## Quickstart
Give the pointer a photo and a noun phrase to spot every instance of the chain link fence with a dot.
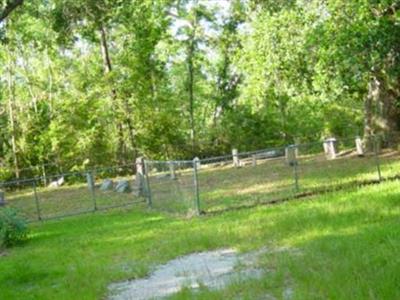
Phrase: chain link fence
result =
(72, 193)
(207, 185)
(271, 175)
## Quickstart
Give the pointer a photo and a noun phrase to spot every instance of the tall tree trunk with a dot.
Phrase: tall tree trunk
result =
(127, 119)
(282, 103)
(11, 114)
(191, 92)
(381, 114)
(29, 84)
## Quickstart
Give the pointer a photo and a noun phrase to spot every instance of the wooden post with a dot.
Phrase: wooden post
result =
(235, 157)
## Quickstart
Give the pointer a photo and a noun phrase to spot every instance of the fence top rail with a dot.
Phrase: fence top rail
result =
(168, 161)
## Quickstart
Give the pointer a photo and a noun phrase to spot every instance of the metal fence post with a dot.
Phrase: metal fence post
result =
(36, 201)
(296, 176)
(148, 189)
(291, 158)
(90, 182)
(196, 187)
(376, 152)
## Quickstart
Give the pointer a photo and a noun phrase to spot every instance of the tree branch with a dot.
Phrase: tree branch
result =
(11, 5)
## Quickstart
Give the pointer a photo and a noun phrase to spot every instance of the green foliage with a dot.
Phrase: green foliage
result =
(191, 78)
(13, 227)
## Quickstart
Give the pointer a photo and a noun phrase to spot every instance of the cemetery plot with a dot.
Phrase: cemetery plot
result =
(207, 185)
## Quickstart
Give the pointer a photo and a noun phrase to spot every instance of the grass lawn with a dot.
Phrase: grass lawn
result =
(341, 245)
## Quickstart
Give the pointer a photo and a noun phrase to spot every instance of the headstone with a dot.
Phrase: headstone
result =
(291, 154)
(57, 183)
(172, 173)
(235, 157)
(123, 186)
(2, 198)
(90, 181)
(196, 160)
(330, 148)
(359, 146)
(107, 185)
(140, 177)
(254, 160)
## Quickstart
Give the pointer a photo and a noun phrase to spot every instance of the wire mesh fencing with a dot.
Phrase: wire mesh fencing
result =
(171, 185)
(270, 175)
(244, 179)
(72, 193)
(210, 184)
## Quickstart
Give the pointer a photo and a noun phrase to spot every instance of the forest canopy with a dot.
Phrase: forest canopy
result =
(100, 82)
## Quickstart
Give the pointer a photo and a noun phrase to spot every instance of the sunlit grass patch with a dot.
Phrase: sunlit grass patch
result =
(336, 245)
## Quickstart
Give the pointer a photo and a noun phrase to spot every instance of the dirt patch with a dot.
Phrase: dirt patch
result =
(213, 269)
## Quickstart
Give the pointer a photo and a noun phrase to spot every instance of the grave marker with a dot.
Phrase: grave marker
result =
(359, 146)
(330, 148)
(235, 157)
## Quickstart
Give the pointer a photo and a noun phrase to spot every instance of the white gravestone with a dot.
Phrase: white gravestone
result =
(235, 157)
(359, 146)
(196, 160)
(330, 148)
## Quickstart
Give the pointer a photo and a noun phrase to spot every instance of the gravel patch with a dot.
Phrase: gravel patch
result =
(213, 269)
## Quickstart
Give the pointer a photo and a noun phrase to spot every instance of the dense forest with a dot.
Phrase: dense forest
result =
(100, 82)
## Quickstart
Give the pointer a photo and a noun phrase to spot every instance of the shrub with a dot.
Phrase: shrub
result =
(13, 227)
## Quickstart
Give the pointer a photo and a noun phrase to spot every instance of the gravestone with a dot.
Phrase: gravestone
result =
(330, 148)
(123, 186)
(107, 185)
(196, 160)
(291, 153)
(172, 173)
(2, 198)
(235, 157)
(359, 146)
